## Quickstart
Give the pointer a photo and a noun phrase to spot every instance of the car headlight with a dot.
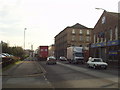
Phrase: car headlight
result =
(97, 64)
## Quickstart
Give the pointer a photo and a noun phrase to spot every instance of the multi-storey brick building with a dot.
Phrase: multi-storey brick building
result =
(76, 35)
(106, 38)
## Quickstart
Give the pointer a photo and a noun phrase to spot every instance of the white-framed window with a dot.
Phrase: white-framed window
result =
(73, 38)
(88, 32)
(103, 19)
(98, 39)
(81, 38)
(116, 33)
(87, 38)
(111, 32)
(73, 31)
(94, 38)
(81, 32)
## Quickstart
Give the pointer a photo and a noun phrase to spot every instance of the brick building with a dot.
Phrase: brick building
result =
(106, 38)
(76, 35)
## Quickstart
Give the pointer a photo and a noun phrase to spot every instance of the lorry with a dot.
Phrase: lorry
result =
(75, 54)
(42, 52)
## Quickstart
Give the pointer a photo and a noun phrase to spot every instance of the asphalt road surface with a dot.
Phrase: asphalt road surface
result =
(34, 74)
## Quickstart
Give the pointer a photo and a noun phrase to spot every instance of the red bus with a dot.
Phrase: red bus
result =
(43, 52)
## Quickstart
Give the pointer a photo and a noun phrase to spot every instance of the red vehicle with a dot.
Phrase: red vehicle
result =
(43, 52)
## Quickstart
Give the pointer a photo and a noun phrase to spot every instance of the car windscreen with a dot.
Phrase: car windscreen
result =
(78, 54)
(97, 60)
(51, 58)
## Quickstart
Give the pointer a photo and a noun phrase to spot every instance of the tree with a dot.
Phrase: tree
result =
(16, 51)
(4, 47)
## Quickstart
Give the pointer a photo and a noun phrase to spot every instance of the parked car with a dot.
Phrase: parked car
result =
(2, 56)
(62, 58)
(97, 63)
(51, 60)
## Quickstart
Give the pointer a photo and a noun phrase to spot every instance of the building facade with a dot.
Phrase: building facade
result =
(106, 38)
(76, 35)
(51, 51)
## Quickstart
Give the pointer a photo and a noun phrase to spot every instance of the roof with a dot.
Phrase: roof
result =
(78, 26)
(113, 14)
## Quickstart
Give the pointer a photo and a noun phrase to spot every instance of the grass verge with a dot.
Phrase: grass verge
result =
(11, 65)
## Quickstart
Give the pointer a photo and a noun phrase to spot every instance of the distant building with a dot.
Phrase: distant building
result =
(51, 50)
(29, 52)
(76, 35)
(106, 38)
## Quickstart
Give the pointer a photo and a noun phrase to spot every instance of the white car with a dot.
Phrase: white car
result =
(62, 58)
(96, 63)
(51, 60)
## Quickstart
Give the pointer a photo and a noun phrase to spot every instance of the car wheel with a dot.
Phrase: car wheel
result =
(88, 65)
(94, 66)
(105, 68)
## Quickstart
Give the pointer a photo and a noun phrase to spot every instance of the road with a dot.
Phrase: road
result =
(34, 74)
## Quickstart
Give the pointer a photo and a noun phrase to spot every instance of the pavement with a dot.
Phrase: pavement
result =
(25, 74)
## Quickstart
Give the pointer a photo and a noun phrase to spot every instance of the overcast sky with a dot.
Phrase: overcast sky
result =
(46, 18)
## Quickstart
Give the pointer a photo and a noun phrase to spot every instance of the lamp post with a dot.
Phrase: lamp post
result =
(24, 37)
(100, 9)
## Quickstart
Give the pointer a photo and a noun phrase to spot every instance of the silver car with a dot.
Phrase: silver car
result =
(97, 63)
(51, 60)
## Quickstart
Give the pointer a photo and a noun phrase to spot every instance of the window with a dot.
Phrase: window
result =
(88, 32)
(111, 35)
(73, 38)
(101, 39)
(73, 31)
(45, 49)
(98, 39)
(81, 38)
(94, 39)
(104, 39)
(116, 33)
(103, 20)
(80, 31)
(41, 49)
(87, 38)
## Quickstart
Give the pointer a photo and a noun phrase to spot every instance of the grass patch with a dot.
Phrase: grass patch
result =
(11, 65)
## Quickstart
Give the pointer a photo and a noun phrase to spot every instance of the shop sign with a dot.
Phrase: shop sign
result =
(113, 53)
(98, 44)
(111, 43)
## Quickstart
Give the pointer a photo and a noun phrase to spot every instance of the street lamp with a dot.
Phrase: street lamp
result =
(100, 9)
(24, 37)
